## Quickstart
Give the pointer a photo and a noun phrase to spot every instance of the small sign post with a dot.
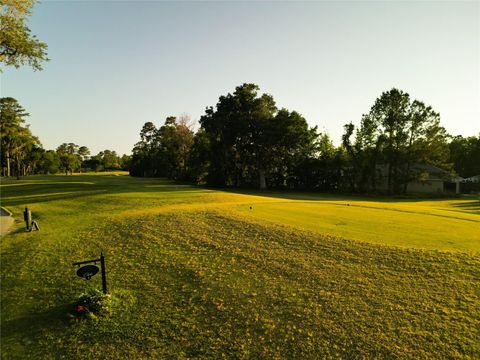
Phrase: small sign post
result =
(87, 271)
(104, 275)
(30, 224)
(27, 216)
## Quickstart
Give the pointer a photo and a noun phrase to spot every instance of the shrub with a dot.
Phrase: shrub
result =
(93, 301)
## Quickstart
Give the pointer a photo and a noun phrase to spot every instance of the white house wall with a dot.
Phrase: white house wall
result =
(431, 186)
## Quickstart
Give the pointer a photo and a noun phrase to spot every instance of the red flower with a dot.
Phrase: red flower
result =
(81, 309)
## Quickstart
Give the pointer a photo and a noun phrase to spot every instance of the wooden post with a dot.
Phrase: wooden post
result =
(27, 216)
(104, 275)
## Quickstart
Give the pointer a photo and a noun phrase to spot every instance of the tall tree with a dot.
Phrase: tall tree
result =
(390, 115)
(199, 159)
(11, 121)
(33, 160)
(17, 45)
(237, 130)
(174, 141)
(83, 152)
(396, 134)
(352, 154)
(23, 142)
(251, 143)
(110, 160)
(465, 155)
(125, 161)
(69, 158)
(50, 162)
(426, 143)
(142, 162)
(288, 141)
(15, 138)
(184, 136)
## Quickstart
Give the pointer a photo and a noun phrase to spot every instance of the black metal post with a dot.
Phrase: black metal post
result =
(27, 216)
(104, 275)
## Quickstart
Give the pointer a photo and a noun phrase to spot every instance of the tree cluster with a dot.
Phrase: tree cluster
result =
(465, 155)
(22, 153)
(105, 160)
(397, 135)
(246, 141)
(164, 151)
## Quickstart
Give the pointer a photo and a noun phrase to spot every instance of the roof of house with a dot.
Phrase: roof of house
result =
(434, 173)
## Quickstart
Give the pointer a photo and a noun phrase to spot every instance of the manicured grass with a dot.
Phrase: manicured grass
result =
(444, 225)
(199, 274)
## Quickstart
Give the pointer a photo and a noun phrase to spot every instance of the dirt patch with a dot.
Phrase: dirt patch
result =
(6, 221)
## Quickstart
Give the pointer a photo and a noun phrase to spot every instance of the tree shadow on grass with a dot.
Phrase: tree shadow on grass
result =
(55, 188)
(18, 230)
(321, 196)
(45, 191)
(35, 323)
(28, 200)
(470, 207)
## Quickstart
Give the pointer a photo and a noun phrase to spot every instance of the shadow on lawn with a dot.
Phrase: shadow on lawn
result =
(470, 207)
(313, 196)
(40, 189)
(40, 198)
(34, 324)
(52, 188)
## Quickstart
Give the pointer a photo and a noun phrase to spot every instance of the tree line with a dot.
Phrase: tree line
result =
(22, 153)
(247, 141)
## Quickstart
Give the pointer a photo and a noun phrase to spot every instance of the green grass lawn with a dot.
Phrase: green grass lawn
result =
(198, 274)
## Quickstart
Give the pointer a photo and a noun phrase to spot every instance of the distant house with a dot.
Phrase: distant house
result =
(431, 179)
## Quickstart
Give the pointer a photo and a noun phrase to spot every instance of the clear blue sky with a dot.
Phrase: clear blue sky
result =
(118, 64)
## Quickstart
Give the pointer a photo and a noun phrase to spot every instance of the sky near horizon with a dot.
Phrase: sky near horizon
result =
(118, 64)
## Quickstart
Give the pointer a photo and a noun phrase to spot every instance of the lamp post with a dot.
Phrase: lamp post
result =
(87, 271)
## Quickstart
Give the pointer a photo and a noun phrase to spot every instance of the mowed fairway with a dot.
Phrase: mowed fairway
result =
(200, 273)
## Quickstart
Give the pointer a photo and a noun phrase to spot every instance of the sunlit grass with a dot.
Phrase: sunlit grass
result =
(384, 223)
(200, 274)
